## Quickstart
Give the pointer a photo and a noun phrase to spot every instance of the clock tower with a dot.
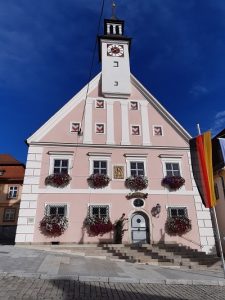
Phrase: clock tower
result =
(114, 54)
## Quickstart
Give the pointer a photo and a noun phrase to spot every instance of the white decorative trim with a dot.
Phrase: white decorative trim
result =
(125, 124)
(145, 124)
(64, 153)
(109, 191)
(64, 111)
(139, 155)
(110, 124)
(171, 155)
(88, 122)
(99, 154)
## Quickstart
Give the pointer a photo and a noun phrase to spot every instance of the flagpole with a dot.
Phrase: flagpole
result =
(213, 212)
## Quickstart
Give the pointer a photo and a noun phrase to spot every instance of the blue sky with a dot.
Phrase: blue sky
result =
(178, 53)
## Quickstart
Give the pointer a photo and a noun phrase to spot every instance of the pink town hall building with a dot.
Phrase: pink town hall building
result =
(112, 129)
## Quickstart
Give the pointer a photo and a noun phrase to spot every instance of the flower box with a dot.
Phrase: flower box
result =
(54, 225)
(178, 225)
(136, 183)
(98, 181)
(173, 182)
(58, 180)
(98, 226)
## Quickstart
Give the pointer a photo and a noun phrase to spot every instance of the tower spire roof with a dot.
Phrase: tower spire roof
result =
(113, 10)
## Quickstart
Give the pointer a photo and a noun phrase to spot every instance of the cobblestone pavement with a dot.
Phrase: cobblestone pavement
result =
(32, 288)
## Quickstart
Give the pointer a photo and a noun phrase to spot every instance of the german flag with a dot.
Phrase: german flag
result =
(201, 160)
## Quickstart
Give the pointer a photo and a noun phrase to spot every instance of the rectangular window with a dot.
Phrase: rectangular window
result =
(75, 127)
(54, 209)
(61, 166)
(100, 128)
(100, 167)
(172, 169)
(116, 64)
(133, 105)
(216, 191)
(13, 192)
(9, 214)
(157, 131)
(135, 130)
(99, 211)
(99, 103)
(177, 212)
(137, 168)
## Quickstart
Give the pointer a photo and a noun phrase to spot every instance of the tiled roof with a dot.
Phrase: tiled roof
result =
(10, 168)
(7, 159)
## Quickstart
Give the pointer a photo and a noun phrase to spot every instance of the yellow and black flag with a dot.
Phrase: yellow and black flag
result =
(201, 160)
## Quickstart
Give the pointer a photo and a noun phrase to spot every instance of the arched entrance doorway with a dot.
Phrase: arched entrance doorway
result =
(140, 228)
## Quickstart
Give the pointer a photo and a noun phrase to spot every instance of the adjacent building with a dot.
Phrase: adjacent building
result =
(218, 147)
(11, 182)
(113, 129)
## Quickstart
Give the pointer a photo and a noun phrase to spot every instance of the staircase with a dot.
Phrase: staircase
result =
(165, 255)
(156, 254)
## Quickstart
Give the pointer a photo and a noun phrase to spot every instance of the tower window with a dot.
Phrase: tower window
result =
(116, 83)
(115, 64)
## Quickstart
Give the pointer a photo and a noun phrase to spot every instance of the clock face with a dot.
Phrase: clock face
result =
(115, 50)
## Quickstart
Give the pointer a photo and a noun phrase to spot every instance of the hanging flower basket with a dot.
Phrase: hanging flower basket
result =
(136, 183)
(98, 181)
(54, 225)
(178, 225)
(174, 182)
(98, 226)
(58, 180)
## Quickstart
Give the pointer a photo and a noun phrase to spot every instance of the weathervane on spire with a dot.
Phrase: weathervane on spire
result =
(113, 10)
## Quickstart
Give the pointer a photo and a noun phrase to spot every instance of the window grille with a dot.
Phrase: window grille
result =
(99, 211)
(61, 166)
(172, 169)
(13, 192)
(100, 167)
(137, 168)
(177, 212)
(56, 209)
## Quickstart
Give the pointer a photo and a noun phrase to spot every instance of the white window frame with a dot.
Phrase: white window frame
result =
(61, 156)
(101, 157)
(171, 158)
(138, 207)
(138, 105)
(103, 127)
(57, 205)
(17, 191)
(96, 100)
(14, 214)
(136, 125)
(176, 207)
(71, 124)
(135, 159)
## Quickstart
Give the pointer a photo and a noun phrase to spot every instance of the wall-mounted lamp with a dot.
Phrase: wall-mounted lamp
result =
(156, 210)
